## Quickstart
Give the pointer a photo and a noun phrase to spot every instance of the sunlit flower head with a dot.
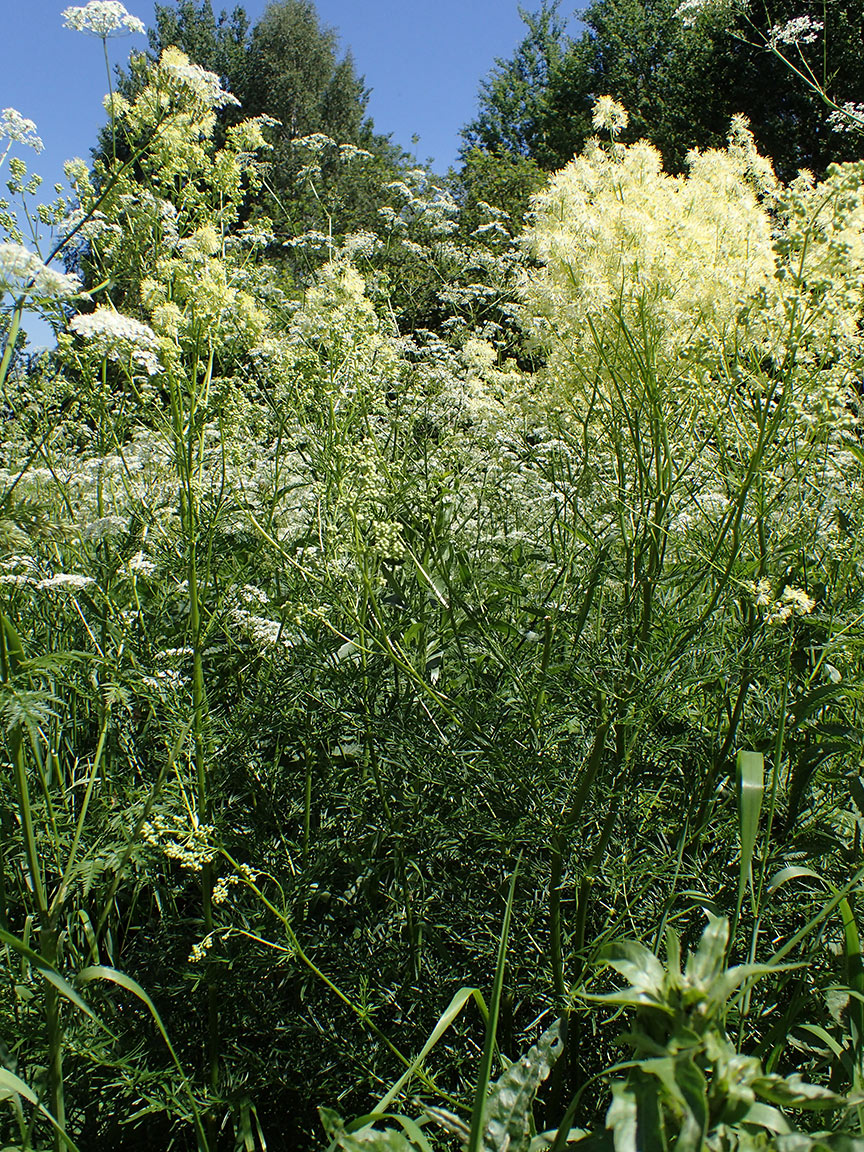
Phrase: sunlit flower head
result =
(608, 114)
(18, 129)
(117, 337)
(690, 12)
(102, 18)
(849, 117)
(23, 273)
(206, 86)
(801, 30)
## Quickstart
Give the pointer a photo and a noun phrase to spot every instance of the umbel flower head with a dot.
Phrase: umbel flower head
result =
(102, 18)
(19, 130)
(118, 337)
(24, 274)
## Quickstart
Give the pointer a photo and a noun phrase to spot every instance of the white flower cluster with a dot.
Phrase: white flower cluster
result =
(23, 273)
(259, 629)
(801, 30)
(206, 86)
(66, 580)
(849, 117)
(141, 565)
(114, 335)
(19, 130)
(102, 18)
(690, 11)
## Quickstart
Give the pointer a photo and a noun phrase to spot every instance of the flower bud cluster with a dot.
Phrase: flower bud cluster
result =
(189, 843)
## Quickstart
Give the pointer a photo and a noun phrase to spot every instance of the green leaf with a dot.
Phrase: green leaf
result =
(444, 1021)
(764, 1116)
(622, 1117)
(793, 1092)
(12, 1085)
(113, 976)
(750, 771)
(13, 645)
(706, 964)
(637, 964)
(508, 1107)
(475, 1138)
(792, 872)
(50, 973)
(694, 1093)
(649, 1120)
(819, 1142)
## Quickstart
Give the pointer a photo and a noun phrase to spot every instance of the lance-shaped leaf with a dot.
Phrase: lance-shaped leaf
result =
(508, 1105)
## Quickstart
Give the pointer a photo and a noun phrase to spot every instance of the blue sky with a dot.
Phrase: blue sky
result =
(423, 61)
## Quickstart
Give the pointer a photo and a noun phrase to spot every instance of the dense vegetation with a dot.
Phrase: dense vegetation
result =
(427, 636)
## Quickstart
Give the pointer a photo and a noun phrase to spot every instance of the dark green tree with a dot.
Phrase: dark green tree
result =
(293, 72)
(512, 98)
(218, 44)
(287, 67)
(504, 148)
(681, 85)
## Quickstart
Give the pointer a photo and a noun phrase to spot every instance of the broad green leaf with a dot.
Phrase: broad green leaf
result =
(706, 964)
(508, 1106)
(622, 1118)
(637, 964)
(819, 1142)
(793, 1092)
(766, 1117)
(694, 1093)
(649, 1120)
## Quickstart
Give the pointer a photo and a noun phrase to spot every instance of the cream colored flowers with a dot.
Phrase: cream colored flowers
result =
(118, 337)
(17, 129)
(608, 114)
(620, 238)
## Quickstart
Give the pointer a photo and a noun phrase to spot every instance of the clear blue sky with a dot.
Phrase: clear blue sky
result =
(423, 61)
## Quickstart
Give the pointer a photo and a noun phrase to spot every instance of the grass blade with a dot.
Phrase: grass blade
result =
(750, 771)
(101, 972)
(444, 1021)
(475, 1136)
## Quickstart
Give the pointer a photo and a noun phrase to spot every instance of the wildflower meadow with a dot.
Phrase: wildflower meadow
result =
(432, 647)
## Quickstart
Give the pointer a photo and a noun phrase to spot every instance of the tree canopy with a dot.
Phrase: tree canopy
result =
(680, 84)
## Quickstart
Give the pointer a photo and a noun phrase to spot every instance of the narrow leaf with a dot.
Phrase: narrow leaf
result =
(750, 769)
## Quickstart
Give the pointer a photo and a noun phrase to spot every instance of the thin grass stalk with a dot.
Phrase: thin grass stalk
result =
(484, 1076)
